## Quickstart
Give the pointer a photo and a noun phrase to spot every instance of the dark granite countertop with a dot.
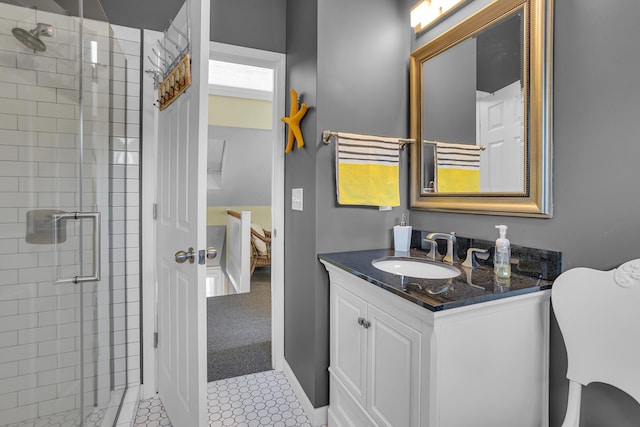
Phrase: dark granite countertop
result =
(470, 287)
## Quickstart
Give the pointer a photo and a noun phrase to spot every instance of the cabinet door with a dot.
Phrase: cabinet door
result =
(395, 371)
(349, 342)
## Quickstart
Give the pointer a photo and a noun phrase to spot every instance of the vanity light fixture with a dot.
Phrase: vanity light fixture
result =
(427, 12)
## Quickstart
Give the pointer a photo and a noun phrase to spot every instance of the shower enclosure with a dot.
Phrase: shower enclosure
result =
(66, 209)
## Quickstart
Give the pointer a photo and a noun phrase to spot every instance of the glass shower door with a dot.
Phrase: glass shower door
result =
(62, 244)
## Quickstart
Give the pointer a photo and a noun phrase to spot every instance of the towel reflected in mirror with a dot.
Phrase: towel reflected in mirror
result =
(457, 168)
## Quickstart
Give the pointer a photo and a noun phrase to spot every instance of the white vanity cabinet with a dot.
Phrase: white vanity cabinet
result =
(375, 356)
(394, 363)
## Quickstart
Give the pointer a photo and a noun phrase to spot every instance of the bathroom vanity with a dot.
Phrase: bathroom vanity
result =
(454, 352)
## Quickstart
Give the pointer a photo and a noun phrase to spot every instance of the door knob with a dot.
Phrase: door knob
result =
(209, 253)
(182, 256)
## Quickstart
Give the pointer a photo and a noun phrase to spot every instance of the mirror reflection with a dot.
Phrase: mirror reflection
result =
(473, 118)
(481, 113)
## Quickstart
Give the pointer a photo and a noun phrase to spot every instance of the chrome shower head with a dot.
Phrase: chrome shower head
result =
(31, 39)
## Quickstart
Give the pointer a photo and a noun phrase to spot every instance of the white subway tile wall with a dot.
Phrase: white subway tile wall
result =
(41, 322)
(126, 213)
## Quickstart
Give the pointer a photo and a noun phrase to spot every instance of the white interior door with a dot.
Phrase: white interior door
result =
(500, 121)
(181, 226)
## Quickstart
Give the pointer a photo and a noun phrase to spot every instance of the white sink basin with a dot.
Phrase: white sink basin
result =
(415, 268)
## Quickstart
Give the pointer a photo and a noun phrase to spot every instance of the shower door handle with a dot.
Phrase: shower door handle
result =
(95, 216)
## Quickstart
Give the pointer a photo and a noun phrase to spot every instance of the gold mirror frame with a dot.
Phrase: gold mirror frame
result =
(536, 201)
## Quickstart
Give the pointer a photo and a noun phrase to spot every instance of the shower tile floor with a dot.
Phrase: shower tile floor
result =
(261, 399)
(63, 419)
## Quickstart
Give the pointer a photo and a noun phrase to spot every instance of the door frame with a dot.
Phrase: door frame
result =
(148, 309)
(277, 62)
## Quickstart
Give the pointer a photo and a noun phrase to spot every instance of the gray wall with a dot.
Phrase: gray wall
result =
(246, 170)
(250, 23)
(259, 24)
(596, 127)
(449, 95)
(596, 153)
(143, 14)
(304, 350)
(352, 71)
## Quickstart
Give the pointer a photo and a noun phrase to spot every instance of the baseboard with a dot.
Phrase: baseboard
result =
(317, 416)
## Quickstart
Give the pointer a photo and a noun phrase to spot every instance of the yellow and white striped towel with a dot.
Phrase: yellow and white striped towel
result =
(457, 168)
(367, 170)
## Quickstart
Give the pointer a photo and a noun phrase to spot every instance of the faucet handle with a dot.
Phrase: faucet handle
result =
(470, 261)
(452, 254)
(433, 249)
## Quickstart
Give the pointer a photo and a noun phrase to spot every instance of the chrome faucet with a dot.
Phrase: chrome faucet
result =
(433, 249)
(451, 256)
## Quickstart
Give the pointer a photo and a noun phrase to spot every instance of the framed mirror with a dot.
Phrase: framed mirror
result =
(481, 114)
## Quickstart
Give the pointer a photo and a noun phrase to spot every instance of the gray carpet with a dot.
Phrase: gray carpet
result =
(239, 331)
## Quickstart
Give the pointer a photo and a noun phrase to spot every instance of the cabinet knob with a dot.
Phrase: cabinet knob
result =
(364, 323)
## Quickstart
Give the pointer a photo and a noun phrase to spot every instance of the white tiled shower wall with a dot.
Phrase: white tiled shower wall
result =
(40, 368)
(126, 183)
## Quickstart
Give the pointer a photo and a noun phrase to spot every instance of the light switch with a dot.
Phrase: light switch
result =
(296, 199)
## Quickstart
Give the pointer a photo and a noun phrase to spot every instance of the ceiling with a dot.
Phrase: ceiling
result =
(146, 14)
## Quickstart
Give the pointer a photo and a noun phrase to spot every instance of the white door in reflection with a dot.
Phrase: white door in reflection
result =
(500, 124)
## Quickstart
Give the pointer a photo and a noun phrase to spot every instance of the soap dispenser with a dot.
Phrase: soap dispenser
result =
(402, 236)
(502, 256)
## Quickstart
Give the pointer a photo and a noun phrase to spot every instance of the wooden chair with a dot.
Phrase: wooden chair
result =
(599, 316)
(260, 253)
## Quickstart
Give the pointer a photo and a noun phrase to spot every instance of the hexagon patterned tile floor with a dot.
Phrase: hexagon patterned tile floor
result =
(62, 419)
(261, 399)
